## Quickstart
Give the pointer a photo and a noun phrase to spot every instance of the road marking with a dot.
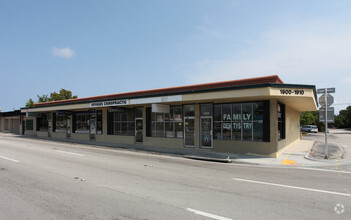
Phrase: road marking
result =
(293, 187)
(66, 152)
(323, 170)
(4, 142)
(209, 215)
(6, 158)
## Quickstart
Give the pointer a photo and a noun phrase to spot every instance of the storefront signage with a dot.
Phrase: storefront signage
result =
(292, 91)
(109, 103)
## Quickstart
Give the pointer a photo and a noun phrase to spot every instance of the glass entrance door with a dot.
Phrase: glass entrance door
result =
(189, 131)
(206, 136)
(139, 130)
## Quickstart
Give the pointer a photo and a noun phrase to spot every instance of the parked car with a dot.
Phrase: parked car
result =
(309, 128)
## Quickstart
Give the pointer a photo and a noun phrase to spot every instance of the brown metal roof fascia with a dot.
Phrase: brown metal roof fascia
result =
(250, 81)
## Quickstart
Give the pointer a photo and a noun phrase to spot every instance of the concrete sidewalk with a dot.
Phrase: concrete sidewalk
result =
(296, 154)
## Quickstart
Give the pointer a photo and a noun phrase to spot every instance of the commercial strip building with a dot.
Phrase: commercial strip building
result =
(257, 116)
(11, 122)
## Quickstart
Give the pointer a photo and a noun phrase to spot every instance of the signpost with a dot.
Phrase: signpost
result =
(325, 101)
(330, 113)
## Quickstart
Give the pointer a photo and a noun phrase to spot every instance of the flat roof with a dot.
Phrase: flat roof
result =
(274, 79)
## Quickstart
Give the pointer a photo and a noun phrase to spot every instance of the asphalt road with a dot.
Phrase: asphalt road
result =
(50, 180)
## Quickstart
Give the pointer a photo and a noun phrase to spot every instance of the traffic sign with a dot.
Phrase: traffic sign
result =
(329, 90)
(330, 114)
(330, 100)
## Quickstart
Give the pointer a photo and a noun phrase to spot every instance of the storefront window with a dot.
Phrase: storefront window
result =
(168, 124)
(258, 121)
(238, 121)
(61, 123)
(217, 114)
(42, 122)
(123, 122)
(99, 122)
(29, 125)
(82, 123)
(236, 131)
(281, 121)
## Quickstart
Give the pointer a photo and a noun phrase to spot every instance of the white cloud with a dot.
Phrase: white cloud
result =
(65, 52)
(299, 53)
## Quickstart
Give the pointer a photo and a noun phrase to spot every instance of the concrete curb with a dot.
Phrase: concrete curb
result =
(227, 160)
(328, 162)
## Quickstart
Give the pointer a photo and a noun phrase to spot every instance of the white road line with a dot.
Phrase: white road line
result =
(324, 170)
(209, 215)
(4, 142)
(6, 158)
(293, 187)
(66, 152)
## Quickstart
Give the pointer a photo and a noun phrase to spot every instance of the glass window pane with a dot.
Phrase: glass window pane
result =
(247, 130)
(236, 112)
(131, 114)
(258, 111)
(236, 130)
(118, 130)
(217, 130)
(247, 112)
(124, 128)
(226, 112)
(178, 113)
(189, 110)
(217, 116)
(124, 115)
(167, 117)
(160, 117)
(131, 128)
(169, 129)
(160, 126)
(179, 129)
(153, 126)
(227, 130)
(206, 109)
(139, 112)
(258, 131)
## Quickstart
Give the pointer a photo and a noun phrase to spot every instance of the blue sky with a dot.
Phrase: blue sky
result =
(104, 47)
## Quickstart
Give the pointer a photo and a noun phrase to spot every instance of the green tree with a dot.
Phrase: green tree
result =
(54, 96)
(62, 95)
(43, 98)
(309, 118)
(343, 120)
(30, 103)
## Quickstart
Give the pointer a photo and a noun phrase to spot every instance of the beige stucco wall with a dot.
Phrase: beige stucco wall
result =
(292, 128)
(42, 133)
(78, 136)
(164, 142)
(118, 139)
(59, 134)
